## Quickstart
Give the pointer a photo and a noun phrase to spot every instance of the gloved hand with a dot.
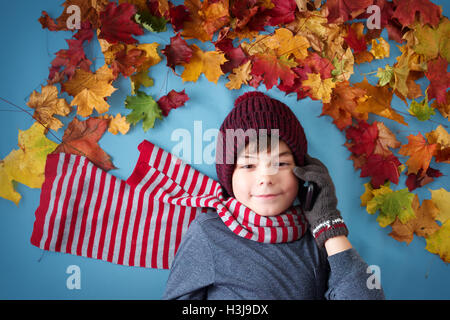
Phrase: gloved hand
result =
(324, 218)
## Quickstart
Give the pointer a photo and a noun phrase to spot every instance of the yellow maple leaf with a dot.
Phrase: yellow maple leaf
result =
(439, 242)
(117, 124)
(203, 62)
(380, 48)
(48, 104)
(7, 190)
(26, 165)
(320, 89)
(289, 44)
(240, 75)
(441, 199)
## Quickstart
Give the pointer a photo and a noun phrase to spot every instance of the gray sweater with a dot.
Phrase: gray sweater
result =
(214, 263)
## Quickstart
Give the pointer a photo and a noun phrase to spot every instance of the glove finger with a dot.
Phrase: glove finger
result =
(318, 177)
(300, 172)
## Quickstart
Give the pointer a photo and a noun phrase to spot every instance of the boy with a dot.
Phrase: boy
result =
(214, 262)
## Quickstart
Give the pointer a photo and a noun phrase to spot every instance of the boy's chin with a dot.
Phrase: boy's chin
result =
(267, 210)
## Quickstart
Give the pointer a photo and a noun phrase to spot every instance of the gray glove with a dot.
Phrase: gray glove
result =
(324, 218)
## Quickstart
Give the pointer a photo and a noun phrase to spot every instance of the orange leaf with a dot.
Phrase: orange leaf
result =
(420, 153)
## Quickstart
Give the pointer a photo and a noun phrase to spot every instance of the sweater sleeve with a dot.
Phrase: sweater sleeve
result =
(348, 278)
(192, 270)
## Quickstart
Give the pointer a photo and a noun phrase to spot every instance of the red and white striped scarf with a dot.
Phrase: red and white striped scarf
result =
(88, 212)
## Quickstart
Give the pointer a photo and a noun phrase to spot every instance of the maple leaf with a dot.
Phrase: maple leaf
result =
(271, 68)
(420, 153)
(144, 108)
(406, 10)
(300, 74)
(25, 165)
(386, 139)
(420, 179)
(320, 65)
(355, 38)
(46, 105)
(441, 138)
(432, 42)
(378, 102)
(421, 110)
(81, 138)
(363, 136)
(178, 15)
(441, 198)
(439, 79)
(127, 62)
(290, 44)
(69, 59)
(240, 75)
(444, 108)
(207, 63)
(205, 18)
(171, 101)
(342, 105)
(235, 56)
(343, 10)
(385, 75)
(381, 168)
(177, 52)
(150, 22)
(438, 242)
(140, 79)
(343, 66)
(320, 89)
(117, 24)
(423, 225)
(116, 124)
(380, 48)
(282, 12)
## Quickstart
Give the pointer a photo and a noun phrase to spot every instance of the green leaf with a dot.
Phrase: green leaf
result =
(385, 75)
(144, 108)
(433, 41)
(150, 22)
(421, 110)
(391, 205)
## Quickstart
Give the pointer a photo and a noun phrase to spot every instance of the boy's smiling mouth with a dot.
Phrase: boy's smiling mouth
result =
(267, 196)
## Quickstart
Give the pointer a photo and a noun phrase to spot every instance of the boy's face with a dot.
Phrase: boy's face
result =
(264, 182)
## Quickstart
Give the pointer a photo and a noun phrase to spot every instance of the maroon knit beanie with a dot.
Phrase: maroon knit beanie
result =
(255, 110)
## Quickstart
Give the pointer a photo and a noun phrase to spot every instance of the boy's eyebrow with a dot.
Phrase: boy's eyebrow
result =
(285, 153)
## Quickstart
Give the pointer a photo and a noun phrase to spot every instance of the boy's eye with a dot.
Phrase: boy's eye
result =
(247, 166)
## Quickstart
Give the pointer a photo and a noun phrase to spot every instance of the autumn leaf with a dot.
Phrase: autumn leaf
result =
(433, 41)
(81, 138)
(240, 75)
(439, 79)
(46, 105)
(207, 63)
(421, 110)
(441, 138)
(391, 205)
(177, 52)
(178, 15)
(320, 89)
(384, 75)
(150, 22)
(421, 178)
(438, 242)
(282, 12)
(140, 79)
(381, 168)
(343, 10)
(423, 225)
(271, 69)
(127, 62)
(444, 108)
(117, 23)
(378, 102)
(342, 105)
(355, 38)
(406, 10)
(386, 140)
(171, 101)
(144, 108)
(290, 44)
(69, 59)
(363, 137)
(343, 66)
(420, 152)
(380, 48)
(25, 165)
(441, 198)
(117, 124)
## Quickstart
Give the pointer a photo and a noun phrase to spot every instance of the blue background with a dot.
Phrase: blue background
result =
(27, 272)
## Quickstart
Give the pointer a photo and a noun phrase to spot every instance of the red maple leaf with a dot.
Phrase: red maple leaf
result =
(418, 180)
(343, 10)
(85, 33)
(178, 15)
(177, 52)
(320, 65)
(171, 101)
(127, 63)
(300, 74)
(235, 56)
(364, 137)
(358, 45)
(272, 68)
(283, 12)
(406, 11)
(69, 59)
(381, 168)
(117, 24)
(244, 11)
(439, 79)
